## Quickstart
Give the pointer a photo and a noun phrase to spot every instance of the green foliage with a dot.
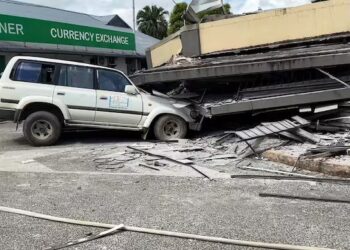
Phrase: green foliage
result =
(227, 8)
(151, 21)
(176, 20)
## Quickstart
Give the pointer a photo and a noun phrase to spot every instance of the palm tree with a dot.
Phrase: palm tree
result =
(151, 21)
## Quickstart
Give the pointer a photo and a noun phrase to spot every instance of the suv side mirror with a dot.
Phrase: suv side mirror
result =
(131, 90)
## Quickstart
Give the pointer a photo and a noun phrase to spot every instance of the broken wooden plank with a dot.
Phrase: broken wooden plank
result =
(251, 134)
(148, 166)
(108, 232)
(264, 130)
(270, 128)
(308, 136)
(258, 132)
(300, 120)
(336, 149)
(170, 159)
(220, 157)
(225, 137)
(308, 198)
(163, 141)
(189, 149)
(273, 171)
(243, 135)
(151, 158)
(289, 135)
(280, 126)
(293, 124)
(273, 128)
(296, 178)
(259, 151)
(287, 124)
(186, 161)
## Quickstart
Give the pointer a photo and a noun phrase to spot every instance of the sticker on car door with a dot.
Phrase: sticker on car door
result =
(119, 102)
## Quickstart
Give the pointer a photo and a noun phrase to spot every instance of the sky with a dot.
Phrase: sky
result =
(124, 7)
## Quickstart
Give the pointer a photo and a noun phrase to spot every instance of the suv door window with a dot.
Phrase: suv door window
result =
(112, 81)
(76, 77)
(34, 72)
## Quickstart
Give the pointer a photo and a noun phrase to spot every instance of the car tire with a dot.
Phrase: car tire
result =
(170, 127)
(42, 128)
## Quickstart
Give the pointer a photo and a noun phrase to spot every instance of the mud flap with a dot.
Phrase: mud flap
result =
(145, 134)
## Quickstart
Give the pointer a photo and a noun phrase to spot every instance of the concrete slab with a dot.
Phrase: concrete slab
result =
(331, 166)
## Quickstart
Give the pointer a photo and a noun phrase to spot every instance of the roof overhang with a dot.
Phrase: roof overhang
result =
(22, 47)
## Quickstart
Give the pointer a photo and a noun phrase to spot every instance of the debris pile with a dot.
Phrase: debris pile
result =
(215, 153)
(300, 143)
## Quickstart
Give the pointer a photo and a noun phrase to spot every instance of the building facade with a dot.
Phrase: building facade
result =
(34, 30)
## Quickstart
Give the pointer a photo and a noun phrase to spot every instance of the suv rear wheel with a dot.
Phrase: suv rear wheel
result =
(42, 128)
(169, 127)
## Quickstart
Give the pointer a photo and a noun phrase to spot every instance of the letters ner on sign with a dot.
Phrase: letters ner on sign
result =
(21, 29)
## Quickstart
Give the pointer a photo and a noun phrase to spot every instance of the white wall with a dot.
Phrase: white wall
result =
(121, 64)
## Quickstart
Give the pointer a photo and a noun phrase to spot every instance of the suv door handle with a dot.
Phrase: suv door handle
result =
(103, 98)
(61, 93)
(7, 87)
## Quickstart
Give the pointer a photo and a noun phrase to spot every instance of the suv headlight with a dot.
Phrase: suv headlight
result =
(180, 105)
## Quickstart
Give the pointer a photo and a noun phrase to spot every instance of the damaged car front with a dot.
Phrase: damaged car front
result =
(157, 104)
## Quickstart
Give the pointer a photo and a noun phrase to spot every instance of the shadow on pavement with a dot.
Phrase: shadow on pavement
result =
(97, 136)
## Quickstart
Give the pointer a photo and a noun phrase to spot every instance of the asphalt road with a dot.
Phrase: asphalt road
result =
(227, 208)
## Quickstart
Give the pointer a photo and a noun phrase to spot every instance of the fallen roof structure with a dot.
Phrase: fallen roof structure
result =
(322, 55)
(256, 62)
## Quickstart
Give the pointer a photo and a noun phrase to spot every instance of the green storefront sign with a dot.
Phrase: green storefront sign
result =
(21, 29)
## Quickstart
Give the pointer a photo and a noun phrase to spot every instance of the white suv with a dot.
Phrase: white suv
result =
(51, 94)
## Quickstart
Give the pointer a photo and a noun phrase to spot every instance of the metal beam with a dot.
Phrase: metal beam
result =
(333, 77)
(280, 101)
(241, 68)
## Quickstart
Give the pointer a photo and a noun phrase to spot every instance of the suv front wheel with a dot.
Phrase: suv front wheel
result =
(169, 127)
(42, 128)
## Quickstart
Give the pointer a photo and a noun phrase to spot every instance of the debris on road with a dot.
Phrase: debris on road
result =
(273, 171)
(308, 198)
(295, 178)
(181, 162)
(123, 228)
(109, 232)
(28, 161)
(189, 149)
(272, 128)
(219, 157)
(333, 150)
(148, 166)
(219, 152)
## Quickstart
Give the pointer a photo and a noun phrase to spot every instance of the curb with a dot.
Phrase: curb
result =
(329, 166)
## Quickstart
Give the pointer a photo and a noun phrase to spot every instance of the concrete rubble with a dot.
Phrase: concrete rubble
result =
(212, 156)
(123, 179)
(219, 154)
